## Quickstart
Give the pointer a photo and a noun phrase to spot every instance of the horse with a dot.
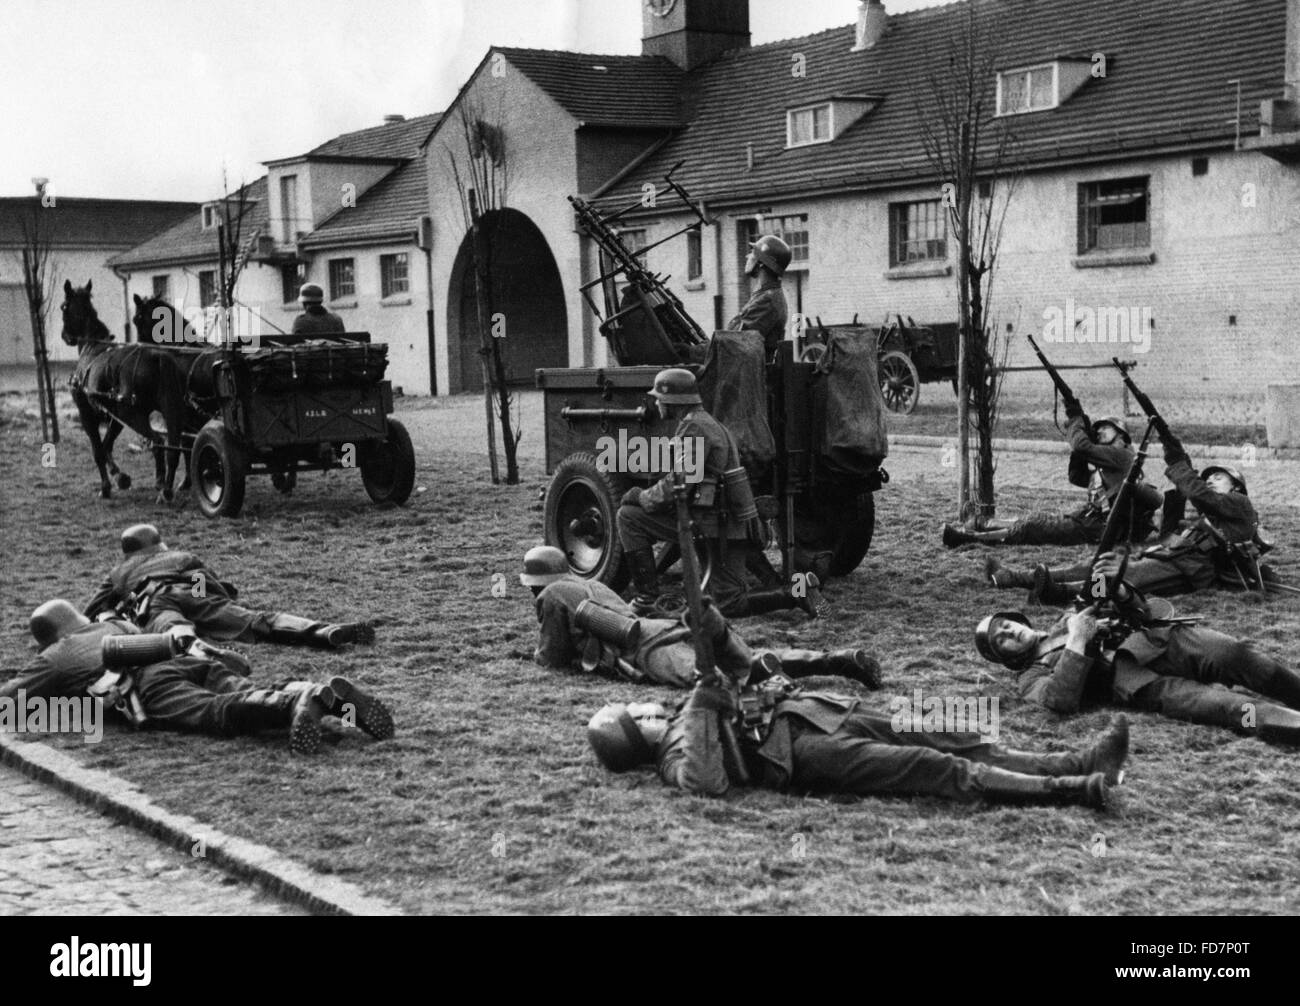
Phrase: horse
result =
(122, 385)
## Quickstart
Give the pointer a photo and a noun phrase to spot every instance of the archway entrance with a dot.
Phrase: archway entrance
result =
(526, 289)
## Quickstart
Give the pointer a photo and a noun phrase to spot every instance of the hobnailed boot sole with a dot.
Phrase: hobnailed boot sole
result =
(372, 715)
(349, 632)
(1110, 753)
(305, 731)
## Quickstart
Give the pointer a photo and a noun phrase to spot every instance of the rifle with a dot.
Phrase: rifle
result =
(1067, 396)
(705, 663)
(1110, 533)
(1162, 428)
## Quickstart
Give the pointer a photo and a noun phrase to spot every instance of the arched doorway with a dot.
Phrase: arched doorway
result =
(525, 289)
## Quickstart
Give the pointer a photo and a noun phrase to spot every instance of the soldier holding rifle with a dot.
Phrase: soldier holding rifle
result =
(1100, 455)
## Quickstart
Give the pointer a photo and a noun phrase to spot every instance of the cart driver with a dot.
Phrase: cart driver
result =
(315, 320)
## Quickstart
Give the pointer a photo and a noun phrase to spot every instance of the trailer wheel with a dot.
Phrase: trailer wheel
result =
(855, 525)
(579, 519)
(899, 382)
(388, 466)
(833, 532)
(219, 468)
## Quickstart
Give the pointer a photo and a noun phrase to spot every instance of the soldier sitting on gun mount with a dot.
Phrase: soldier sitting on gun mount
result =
(647, 516)
(175, 681)
(1190, 559)
(1137, 662)
(156, 586)
(818, 742)
(315, 320)
(584, 625)
(1100, 456)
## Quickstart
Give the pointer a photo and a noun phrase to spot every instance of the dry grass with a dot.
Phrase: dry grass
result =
(489, 800)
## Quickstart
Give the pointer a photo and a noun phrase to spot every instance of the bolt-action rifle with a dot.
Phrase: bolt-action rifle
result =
(1068, 398)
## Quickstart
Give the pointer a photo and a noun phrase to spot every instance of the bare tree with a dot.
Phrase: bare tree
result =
(481, 174)
(36, 225)
(233, 249)
(972, 152)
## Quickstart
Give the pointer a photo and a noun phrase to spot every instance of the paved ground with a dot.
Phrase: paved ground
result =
(59, 858)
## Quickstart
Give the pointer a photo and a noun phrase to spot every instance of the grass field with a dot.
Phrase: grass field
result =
(489, 800)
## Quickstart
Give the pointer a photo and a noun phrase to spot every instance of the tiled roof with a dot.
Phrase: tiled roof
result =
(188, 241)
(392, 139)
(1169, 63)
(109, 223)
(641, 91)
(387, 210)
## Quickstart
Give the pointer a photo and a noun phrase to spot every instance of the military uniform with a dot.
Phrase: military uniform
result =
(816, 742)
(1168, 669)
(315, 320)
(766, 312)
(167, 587)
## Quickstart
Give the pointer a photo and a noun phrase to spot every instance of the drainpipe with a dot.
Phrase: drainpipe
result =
(718, 309)
(126, 303)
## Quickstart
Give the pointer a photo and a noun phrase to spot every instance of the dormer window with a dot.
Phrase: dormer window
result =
(210, 216)
(808, 125)
(1038, 88)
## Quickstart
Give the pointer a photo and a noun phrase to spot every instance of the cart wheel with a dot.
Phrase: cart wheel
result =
(219, 468)
(388, 466)
(855, 525)
(579, 519)
(899, 382)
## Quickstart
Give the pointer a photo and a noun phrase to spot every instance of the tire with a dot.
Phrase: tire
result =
(899, 382)
(833, 532)
(388, 466)
(856, 525)
(219, 468)
(579, 519)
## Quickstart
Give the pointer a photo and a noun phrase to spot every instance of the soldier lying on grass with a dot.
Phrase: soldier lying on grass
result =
(175, 681)
(1135, 661)
(788, 739)
(160, 588)
(585, 626)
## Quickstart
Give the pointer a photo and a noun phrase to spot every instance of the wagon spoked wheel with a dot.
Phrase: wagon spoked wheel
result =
(388, 466)
(899, 382)
(579, 519)
(219, 468)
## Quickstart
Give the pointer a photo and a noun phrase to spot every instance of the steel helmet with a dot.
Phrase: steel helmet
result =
(1229, 471)
(542, 565)
(55, 619)
(311, 293)
(1116, 422)
(617, 739)
(676, 386)
(984, 642)
(138, 537)
(771, 251)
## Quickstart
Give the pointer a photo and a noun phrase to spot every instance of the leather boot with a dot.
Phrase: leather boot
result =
(1004, 578)
(262, 709)
(232, 660)
(1046, 590)
(1284, 685)
(760, 602)
(334, 636)
(954, 536)
(1277, 724)
(310, 703)
(1001, 786)
(645, 579)
(857, 665)
(355, 705)
(1106, 755)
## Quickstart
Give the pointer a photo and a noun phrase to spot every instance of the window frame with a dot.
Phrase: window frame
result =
(335, 293)
(1029, 109)
(899, 214)
(207, 288)
(790, 113)
(163, 290)
(1091, 204)
(300, 280)
(385, 289)
(779, 224)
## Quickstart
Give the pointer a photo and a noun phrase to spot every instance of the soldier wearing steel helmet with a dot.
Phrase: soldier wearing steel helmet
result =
(585, 626)
(766, 312)
(1142, 663)
(315, 319)
(1100, 456)
(812, 741)
(647, 516)
(159, 587)
(175, 681)
(1188, 558)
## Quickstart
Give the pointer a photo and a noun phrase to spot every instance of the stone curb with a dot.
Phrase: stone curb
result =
(118, 799)
(1058, 447)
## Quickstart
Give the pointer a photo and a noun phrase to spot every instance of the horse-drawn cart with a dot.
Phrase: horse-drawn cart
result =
(300, 403)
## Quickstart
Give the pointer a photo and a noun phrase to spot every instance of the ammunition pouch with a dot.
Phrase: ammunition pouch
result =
(758, 704)
(607, 625)
(705, 494)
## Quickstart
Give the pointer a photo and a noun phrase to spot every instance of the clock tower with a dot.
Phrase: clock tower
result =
(691, 32)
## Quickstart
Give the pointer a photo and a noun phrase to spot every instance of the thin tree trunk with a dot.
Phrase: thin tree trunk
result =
(484, 333)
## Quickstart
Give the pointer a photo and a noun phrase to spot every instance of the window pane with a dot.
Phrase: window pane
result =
(920, 232)
(292, 278)
(341, 279)
(1116, 214)
(162, 287)
(207, 288)
(1040, 88)
(822, 123)
(694, 255)
(393, 274)
(1015, 92)
(801, 126)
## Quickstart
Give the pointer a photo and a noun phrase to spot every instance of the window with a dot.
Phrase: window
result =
(1200, 166)
(292, 277)
(394, 277)
(289, 208)
(1114, 214)
(918, 232)
(210, 216)
(694, 255)
(792, 229)
(808, 125)
(207, 288)
(635, 238)
(342, 278)
(162, 287)
(1029, 90)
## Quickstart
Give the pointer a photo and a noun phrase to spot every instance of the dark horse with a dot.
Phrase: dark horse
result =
(122, 385)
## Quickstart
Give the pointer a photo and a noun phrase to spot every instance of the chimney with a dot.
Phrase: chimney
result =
(693, 32)
(872, 22)
(389, 119)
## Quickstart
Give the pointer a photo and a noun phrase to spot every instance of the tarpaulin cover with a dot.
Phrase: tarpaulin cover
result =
(735, 394)
(317, 364)
(848, 407)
